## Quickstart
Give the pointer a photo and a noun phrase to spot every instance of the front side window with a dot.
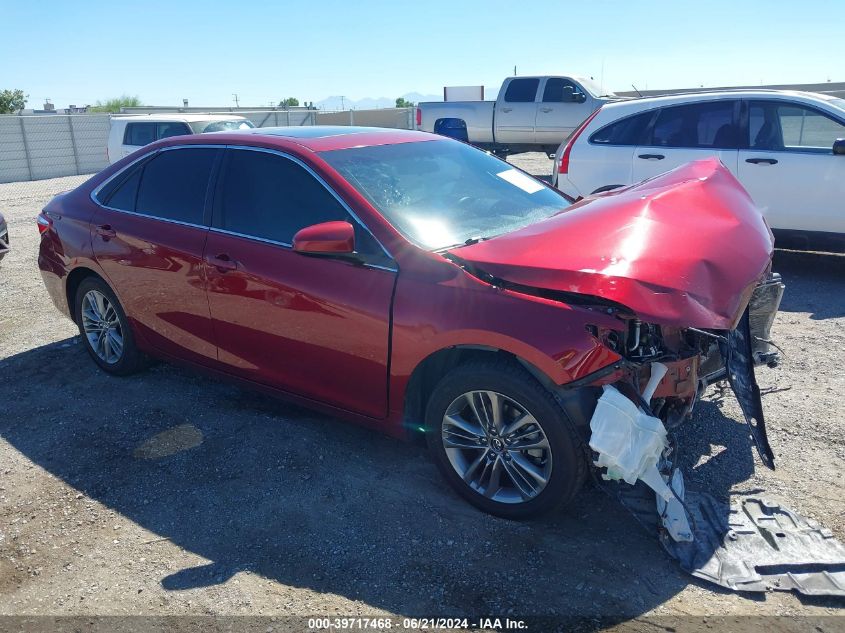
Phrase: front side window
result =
(698, 125)
(628, 131)
(138, 134)
(173, 184)
(443, 193)
(559, 90)
(522, 90)
(272, 197)
(785, 126)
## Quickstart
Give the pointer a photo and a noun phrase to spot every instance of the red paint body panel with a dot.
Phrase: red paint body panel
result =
(347, 338)
(328, 237)
(314, 326)
(685, 248)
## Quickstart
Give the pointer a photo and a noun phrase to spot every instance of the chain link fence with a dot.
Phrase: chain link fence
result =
(50, 146)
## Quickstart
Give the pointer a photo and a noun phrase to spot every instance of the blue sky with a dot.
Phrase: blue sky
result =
(78, 52)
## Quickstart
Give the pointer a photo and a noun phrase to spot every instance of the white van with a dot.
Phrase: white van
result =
(130, 132)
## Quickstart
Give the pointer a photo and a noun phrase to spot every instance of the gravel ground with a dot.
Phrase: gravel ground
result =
(171, 493)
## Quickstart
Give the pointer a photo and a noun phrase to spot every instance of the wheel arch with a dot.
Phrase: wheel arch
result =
(433, 367)
(74, 279)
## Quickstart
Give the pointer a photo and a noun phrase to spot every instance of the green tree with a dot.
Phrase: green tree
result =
(115, 104)
(12, 101)
(290, 102)
(401, 103)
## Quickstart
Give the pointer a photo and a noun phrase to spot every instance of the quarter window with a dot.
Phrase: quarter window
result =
(697, 125)
(272, 197)
(628, 131)
(174, 128)
(173, 184)
(522, 90)
(138, 134)
(786, 126)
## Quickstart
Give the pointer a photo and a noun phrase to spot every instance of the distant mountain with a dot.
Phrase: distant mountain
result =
(369, 103)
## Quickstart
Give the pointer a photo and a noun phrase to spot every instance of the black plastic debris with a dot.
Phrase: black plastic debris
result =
(754, 544)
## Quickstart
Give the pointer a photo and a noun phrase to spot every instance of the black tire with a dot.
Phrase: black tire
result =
(131, 359)
(569, 465)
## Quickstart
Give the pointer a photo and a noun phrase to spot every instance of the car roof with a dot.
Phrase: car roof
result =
(646, 103)
(321, 138)
(187, 118)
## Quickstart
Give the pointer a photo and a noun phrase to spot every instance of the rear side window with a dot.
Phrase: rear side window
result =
(628, 131)
(522, 90)
(139, 134)
(173, 184)
(123, 195)
(559, 90)
(172, 128)
(271, 197)
(697, 125)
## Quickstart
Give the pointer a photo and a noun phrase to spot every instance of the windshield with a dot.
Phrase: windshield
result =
(226, 125)
(594, 88)
(444, 193)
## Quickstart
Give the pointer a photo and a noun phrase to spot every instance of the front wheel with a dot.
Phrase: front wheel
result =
(105, 329)
(503, 442)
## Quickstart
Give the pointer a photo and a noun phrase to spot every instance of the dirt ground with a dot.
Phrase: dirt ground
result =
(171, 493)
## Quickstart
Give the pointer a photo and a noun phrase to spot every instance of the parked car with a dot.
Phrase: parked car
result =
(128, 133)
(4, 237)
(786, 148)
(414, 284)
(530, 114)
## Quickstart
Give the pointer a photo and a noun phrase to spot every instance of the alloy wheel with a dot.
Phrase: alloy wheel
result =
(102, 328)
(496, 446)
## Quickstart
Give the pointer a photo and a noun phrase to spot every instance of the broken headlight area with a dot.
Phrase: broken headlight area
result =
(752, 544)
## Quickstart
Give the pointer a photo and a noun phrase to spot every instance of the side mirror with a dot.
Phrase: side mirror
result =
(326, 238)
(579, 97)
(839, 147)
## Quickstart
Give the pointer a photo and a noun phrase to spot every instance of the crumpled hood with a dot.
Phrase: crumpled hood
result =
(685, 248)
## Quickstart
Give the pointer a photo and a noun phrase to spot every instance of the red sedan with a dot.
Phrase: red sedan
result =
(415, 284)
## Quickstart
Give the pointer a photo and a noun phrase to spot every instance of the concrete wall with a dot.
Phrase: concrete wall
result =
(48, 146)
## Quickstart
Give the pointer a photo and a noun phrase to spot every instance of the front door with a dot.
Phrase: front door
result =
(789, 167)
(149, 236)
(312, 326)
(564, 106)
(684, 133)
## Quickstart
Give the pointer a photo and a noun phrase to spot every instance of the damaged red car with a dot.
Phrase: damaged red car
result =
(417, 285)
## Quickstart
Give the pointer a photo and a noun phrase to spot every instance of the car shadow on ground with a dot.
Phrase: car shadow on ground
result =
(254, 484)
(815, 283)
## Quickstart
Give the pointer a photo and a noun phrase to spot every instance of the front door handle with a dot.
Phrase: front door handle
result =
(652, 156)
(106, 232)
(222, 262)
(763, 161)
(506, 109)
(545, 109)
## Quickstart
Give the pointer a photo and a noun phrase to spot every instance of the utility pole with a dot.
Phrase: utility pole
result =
(514, 71)
(342, 102)
(235, 95)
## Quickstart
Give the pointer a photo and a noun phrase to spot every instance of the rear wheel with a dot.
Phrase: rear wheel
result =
(503, 442)
(104, 328)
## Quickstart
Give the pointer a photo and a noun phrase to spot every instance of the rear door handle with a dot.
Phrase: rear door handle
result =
(106, 232)
(222, 262)
(652, 156)
(764, 161)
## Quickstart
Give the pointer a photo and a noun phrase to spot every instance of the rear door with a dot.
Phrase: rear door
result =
(688, 132)
(313, 326)
(136, 135)
(789, 167)
(516, 111)
(148, 236)
(564, 105)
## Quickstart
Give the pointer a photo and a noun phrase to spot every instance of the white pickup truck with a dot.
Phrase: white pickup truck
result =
(530, 114)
